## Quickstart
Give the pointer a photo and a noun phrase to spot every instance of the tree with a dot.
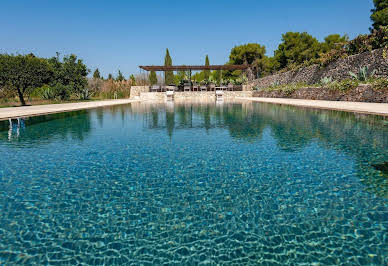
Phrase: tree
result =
(207, 72)
(380, 13)
(110, 76)
(334, 41)
(246, 54)
(96, 74)
(120, 76)
(168, 75)
(132, 79)
(69, 75)
(22, 73)
(296, 48)
(153, 78)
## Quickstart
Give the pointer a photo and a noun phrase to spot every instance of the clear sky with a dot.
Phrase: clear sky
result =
(114, 35)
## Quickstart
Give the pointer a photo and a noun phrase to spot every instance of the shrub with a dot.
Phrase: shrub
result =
(326, 80)
(344, 85)
(380, 84)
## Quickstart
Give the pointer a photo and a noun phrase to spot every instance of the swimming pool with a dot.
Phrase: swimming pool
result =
(241, 183)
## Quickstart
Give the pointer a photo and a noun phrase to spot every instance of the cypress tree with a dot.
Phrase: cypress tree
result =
(96, 74)
(110, 76)
(153, 78)
(132, 79)
(168, 75)
(207, 72)
(120, 76)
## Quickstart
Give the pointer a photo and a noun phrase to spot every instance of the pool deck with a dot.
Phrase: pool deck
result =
(354, 107)
(25, 111)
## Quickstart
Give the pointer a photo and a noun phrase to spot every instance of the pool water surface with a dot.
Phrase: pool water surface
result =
(230, 183)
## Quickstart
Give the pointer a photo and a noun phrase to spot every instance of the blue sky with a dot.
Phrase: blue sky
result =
(114, 35)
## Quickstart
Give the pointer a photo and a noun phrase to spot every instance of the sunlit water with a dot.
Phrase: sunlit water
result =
(188, 184)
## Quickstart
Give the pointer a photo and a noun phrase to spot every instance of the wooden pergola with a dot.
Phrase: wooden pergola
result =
(190, 68)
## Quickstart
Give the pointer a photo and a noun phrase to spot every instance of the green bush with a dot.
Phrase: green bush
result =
(380, 84)
(344, 85)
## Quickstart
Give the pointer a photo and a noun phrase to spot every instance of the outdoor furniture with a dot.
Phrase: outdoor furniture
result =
(187, 87)
(219, 95)
(171, 88)
(203, 88)
(195, 87)
(169, 95)
(221, 88)
(230, 87)
(212, 87)
(155, 88)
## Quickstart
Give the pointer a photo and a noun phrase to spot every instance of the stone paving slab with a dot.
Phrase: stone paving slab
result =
(25, 111)
(355, 107)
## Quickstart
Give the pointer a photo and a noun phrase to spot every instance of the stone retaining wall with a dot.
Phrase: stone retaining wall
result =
(199, 96)
(136, 90)
(363, 93)
(338, 70)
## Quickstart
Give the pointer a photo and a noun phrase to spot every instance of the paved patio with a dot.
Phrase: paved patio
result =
(23, 111)
(355, 107)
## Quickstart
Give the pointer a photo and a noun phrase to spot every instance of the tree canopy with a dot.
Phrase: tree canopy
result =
(153, 78)
(120, 76)
(334, 41)
(380, 13)
(207, 72)
(168, 75)
(96, 74)
(22, 73)
(69, 75)
(246, 54)
(296, 48)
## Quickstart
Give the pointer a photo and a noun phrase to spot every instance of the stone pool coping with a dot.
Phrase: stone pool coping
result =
(354, 107)
(35, 110)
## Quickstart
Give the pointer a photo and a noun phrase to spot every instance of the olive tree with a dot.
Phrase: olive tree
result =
(23, 73)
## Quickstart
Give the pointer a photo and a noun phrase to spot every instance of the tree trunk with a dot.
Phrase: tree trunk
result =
(21, 97)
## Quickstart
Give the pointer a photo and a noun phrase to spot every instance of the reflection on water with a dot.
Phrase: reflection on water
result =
(194, 183)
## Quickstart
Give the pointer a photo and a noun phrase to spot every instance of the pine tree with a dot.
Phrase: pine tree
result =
(120, 76)
(110, 77)
(153, 78)
(168, 75)
(380, 13)
(207, 72)
(96, 74)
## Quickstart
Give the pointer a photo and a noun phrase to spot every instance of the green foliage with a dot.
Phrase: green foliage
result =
(153, 78)
(326, 80)
(363, 74)
(296, 48)
(69, 74)
(96, 74)
(23, 73)
(120, 76)
(60, 91)
(110, 76)
(343, 85)
(380, 13)
(168, 75)
(380, 84)
(132, 79)
(206, 72)
(266, 66)
(334, 41)
(246, 54)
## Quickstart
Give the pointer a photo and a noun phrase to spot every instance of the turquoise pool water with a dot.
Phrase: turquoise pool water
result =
(196, 183)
